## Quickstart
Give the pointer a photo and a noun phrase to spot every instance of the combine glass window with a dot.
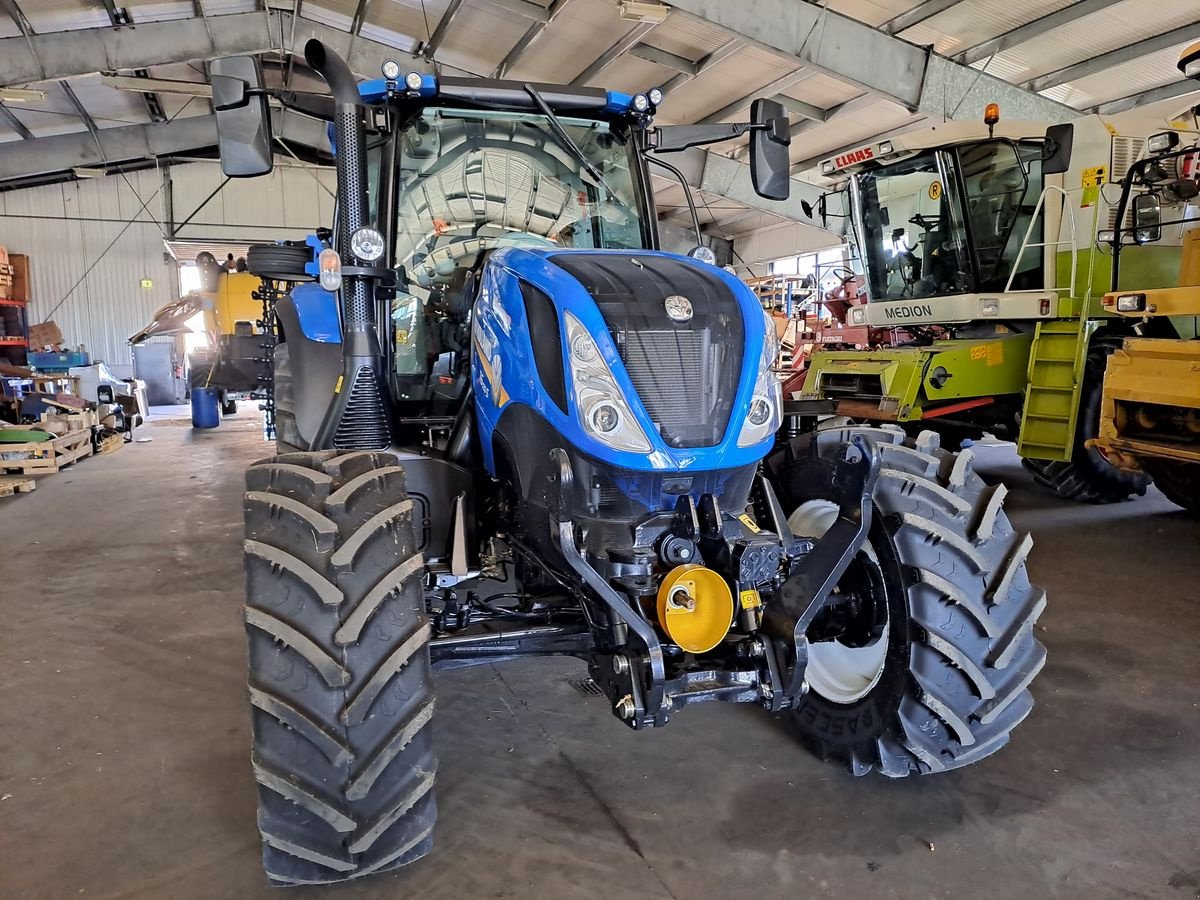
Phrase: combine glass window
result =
(1002, 184)
(910, 221)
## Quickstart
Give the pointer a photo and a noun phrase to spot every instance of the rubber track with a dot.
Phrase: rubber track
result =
(973, 653)
(340, 685)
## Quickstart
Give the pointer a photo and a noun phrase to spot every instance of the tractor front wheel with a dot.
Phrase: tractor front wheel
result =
(340, 682)
(922, 661)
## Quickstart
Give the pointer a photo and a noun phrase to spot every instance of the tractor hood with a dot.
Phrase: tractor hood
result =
(679, 349)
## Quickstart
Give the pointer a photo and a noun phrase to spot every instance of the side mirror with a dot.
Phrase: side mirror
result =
(1147, 216)
(243, 119)
(769, 161)
(1059, 140)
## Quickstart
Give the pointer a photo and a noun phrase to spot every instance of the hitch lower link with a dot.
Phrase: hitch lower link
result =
(779, 653)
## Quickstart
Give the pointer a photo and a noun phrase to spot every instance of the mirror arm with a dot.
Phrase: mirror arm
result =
(673, 138)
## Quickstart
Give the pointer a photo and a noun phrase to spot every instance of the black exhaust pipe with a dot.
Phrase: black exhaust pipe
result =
(358, 417)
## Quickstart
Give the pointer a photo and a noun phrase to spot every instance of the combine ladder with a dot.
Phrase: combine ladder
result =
(1056, 362)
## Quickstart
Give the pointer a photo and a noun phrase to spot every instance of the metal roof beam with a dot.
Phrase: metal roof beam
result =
(1154, 95)
(630, 39)
(721, 54)
(1031, 30)
(532, 33)
(802, 109)
(64, 152)
(917, 15)
(1116, 57)
(63, 54)
(14, 123)
(856, 53)
(783, 82)
(665, 59)
(443, 27)
(88, 122)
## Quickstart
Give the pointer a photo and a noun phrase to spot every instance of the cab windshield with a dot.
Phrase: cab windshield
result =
(951, 221)
(470, 181)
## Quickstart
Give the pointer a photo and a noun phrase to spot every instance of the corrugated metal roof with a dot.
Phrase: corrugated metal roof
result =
(483, 32)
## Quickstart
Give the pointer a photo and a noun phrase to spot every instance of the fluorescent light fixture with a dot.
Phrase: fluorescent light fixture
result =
(86, 172)
(643, 12)
(20, 95)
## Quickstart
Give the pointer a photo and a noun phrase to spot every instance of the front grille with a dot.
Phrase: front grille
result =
(685, 373)
(364, 421)
(674, 376)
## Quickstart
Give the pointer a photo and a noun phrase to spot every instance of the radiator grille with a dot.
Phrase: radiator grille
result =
(364, 421)
(675, 376)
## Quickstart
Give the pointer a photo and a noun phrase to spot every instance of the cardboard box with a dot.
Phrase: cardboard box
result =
(44, 335)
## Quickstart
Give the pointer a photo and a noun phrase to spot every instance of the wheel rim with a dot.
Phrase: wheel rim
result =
(845, 672)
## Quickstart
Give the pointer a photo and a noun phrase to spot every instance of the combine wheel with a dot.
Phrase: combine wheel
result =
(923, 661)
(1089, 477)
(340, 682)
(1178, 481)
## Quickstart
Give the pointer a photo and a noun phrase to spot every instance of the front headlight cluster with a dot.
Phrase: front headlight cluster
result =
(603, 411)
(766, 407)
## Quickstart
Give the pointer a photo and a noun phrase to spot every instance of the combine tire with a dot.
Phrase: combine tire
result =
(1089, 477)
(1178, 481)
(340, 682)
(279, 262)
(924, 661)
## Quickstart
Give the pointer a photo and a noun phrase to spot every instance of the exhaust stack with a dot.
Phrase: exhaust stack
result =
(357, 419)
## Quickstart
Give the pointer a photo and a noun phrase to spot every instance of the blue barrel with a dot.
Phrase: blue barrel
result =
(205, 409)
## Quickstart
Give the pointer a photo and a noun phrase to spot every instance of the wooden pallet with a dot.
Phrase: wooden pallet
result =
(13, 484)
(111, 443)
(45, 457)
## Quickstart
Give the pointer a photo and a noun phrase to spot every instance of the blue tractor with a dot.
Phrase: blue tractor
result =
(509, 425)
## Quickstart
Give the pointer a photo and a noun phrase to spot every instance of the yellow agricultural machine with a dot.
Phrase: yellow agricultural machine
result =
(226, 309)
(1150, 410)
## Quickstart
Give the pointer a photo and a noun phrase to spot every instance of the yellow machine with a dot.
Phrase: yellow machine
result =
(232, 361)
(1150, 408)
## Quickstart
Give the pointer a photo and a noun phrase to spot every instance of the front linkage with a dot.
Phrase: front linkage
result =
(782, 583)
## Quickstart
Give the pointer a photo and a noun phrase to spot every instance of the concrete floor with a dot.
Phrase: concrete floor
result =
(124, 741)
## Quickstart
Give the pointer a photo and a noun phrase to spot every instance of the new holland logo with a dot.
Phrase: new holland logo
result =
(679, 308)
(908, 312)
(854, 156)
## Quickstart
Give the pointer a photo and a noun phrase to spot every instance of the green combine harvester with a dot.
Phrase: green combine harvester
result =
(987, 247)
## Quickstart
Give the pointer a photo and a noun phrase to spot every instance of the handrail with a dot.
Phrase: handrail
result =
(1025, 244)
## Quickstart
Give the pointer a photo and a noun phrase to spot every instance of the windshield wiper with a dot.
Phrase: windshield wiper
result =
(567, 141)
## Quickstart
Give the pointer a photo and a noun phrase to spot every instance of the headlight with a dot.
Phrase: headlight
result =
(1131, 302)
(1162, 142)
(655, 95)
(704, 254)
(390, 69)
(602, 409)
(367, 244)
(766, 409)
(641, 102)
(858, 315)
(412, 81)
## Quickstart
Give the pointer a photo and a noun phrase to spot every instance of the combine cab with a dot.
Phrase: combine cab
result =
(978, 242)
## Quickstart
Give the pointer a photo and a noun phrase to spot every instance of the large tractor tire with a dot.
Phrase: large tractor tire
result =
(279, 262)
(1178, 481)
(340, 680)
(923, 661)
(1089, 477)
(287, 435)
